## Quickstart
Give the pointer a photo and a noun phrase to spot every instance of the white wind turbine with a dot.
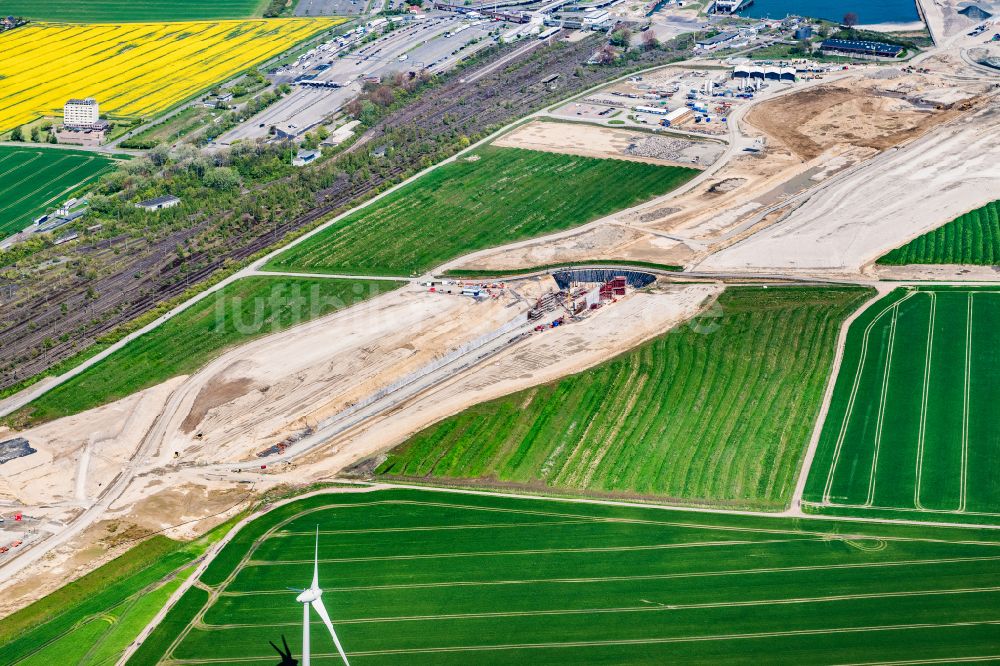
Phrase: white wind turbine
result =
(314, 596)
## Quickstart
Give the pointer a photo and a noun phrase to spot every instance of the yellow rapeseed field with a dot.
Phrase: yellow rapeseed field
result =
(132, 69)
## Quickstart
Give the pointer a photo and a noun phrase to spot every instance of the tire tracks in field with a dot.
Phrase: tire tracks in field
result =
(922, 435)
(883, 397)
(853, 397)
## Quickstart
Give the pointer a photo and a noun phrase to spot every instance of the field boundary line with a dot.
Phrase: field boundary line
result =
(749, 513)
(651, 522)
(854, 392)
(595, 519)
(878, 507)
(922, 433)
(883, 398)
(963, 478)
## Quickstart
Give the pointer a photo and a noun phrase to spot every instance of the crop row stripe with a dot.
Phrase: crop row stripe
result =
(861, 596)
(963, 483)
(883, 397)
(610, 579)
(851, 400)
(921, 437)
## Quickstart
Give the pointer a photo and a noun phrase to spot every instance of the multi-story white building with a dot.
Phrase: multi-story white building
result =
(81, 113)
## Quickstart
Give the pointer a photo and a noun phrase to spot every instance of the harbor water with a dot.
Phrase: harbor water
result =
(868, 11)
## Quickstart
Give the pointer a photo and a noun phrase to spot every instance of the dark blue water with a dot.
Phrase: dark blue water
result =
(868, 11)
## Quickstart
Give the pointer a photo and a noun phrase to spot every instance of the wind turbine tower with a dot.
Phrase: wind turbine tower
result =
(313, 596)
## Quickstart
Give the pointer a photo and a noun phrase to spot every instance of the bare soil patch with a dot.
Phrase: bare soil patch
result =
(816, 119)
(608, 142)
(215, 393)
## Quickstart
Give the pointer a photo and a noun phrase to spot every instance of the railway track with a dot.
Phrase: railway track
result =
(62, 318)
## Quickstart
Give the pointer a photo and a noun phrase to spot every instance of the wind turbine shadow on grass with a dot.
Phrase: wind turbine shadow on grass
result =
(286, 654)
(311, 596)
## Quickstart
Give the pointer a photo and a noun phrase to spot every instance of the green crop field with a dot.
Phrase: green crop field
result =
(914, 426)
(422, 577)
(92, 620)
(506, 195)
(973, 238)
(33, 178)
(243, 310)
(717, 412)
(117, 11)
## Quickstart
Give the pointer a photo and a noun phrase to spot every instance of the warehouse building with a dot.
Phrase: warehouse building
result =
(678, 116)
(757, 72)
(596, 19)
(860, 49)
(304, 157)
(159, 203)
(722, 39)
(75, 136)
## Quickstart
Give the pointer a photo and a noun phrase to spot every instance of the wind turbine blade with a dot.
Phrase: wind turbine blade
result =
(316, 562)
(305, 634)
(321, 610)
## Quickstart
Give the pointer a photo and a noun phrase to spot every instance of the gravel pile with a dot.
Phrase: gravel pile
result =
(660, 148)
(887, 73)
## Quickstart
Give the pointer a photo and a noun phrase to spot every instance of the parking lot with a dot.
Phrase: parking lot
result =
(435, 43)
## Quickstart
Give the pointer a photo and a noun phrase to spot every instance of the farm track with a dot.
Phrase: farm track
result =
(38, 335)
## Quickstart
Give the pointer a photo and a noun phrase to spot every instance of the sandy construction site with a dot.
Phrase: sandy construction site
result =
(785, 151)
(821, 177)
(190, 445)
(877, 207)
(623, 144)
